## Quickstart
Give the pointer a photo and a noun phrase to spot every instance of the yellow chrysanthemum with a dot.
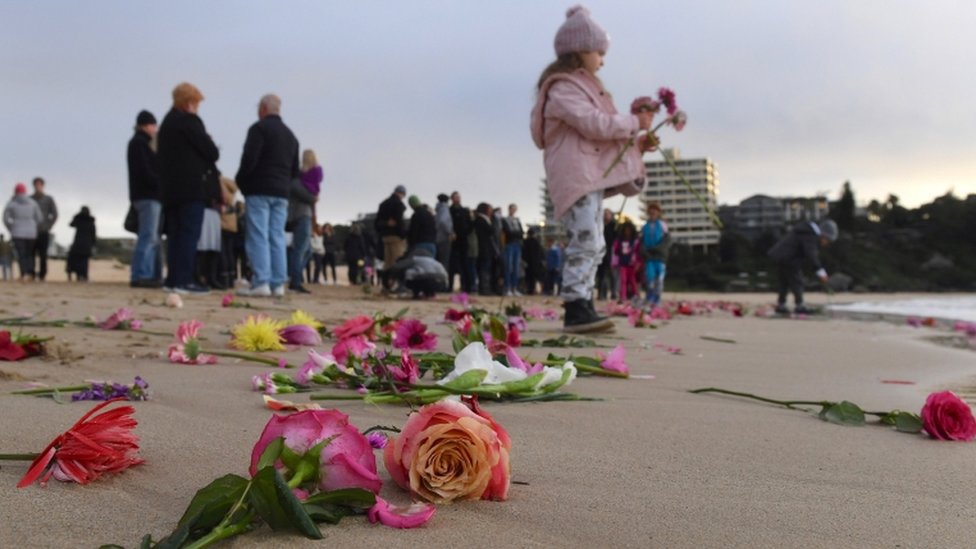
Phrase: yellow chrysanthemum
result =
(300, 317)
(257, 333)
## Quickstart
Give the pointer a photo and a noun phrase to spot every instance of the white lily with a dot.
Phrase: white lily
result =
(476, 357)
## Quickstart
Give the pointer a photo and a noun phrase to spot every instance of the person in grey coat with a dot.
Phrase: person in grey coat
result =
(799, 246)
(22, 216)
(445, 230)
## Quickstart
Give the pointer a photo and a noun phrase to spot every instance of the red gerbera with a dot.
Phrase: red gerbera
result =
(96, 444)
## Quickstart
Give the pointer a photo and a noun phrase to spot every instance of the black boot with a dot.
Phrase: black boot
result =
(212, 271)
(580, 318)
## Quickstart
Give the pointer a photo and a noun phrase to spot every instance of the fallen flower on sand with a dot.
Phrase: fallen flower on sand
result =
(187, 350)
(451, 450)
(614, 360)
(14, 347)
(257, 333)
(95, 390)
(121, 320)
(413, 334)
(945, 416)
(96, 444)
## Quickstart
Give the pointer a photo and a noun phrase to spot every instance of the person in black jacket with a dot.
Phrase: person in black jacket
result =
(186, 156)
(605, 275)
(144, 195)
(799, 245)
(457, 264)
(82, 246)
(355, 248)
(535, 264)
(487, 247)
(423, 228)
(269, 165)
(390, 227)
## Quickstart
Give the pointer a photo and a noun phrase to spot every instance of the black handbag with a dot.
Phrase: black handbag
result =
(131, 222)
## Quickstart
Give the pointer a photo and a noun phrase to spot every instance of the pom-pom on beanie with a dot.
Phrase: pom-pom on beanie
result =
(580, 33)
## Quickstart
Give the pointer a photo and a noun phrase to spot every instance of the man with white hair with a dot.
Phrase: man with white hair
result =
(268, 165)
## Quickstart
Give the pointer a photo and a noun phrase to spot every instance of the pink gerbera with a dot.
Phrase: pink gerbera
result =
(413, 334)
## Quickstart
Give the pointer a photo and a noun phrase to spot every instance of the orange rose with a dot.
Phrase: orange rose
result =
(448, 450)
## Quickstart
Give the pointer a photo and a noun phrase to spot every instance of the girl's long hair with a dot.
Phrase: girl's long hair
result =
(567, 62)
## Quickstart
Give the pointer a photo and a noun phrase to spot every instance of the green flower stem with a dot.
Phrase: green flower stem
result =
(586, 368)
(711, 212)
(246, 356)
(629, 144)
(18, 457)
(332, 396)
(50, 390)
(303, 471)
(225, 530)
(787, 403)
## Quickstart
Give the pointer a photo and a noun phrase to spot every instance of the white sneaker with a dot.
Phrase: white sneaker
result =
(263, 290)
(508, 293)
(516, 293)
(278, 291)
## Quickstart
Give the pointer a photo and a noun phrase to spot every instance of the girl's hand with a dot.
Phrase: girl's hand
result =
(645, 119)
(649, 143)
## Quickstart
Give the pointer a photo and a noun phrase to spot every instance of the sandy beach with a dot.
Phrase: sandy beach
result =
(650, 465)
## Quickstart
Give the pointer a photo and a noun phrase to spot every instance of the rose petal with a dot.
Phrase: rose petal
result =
(412, 516)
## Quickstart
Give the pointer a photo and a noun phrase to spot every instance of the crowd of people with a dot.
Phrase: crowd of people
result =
(214, 240)
(29, 220)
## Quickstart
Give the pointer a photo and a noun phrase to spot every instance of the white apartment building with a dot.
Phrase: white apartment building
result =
(687, 219)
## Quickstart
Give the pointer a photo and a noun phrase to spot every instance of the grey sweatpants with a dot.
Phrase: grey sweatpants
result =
(584, 246)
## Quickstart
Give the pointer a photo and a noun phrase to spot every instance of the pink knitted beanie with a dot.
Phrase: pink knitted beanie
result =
(580, 33)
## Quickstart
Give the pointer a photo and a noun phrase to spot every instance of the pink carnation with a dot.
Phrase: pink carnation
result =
(666, 96)
(357, 346)
(614, 360)
(644, 103)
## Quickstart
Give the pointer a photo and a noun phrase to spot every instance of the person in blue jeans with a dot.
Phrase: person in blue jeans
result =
(301, 204)
(512, 229)
(269, 165)
(187, 156)
(554, 268)
(144, 195)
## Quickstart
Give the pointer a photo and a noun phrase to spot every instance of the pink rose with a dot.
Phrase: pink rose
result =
(945, 416)
(448, 450)
(360, 325)
(346, 462)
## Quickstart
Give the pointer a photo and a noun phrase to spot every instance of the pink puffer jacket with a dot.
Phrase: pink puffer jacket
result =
(575, 123)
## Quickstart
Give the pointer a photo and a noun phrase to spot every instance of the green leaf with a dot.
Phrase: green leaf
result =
(331, 514)
(907, 422)
(526, 385)
(497, 328)
(586, 361)
(457, 342)
(212, 502)
(467, 380)
(274, 502)
(843, 413)
(271, 453)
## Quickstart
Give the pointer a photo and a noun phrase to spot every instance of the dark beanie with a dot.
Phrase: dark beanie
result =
(144, 118)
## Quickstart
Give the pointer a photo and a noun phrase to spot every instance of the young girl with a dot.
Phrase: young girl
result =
(655, 241)
(624, 258)
(575, 123)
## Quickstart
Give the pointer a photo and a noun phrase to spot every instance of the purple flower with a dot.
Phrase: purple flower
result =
(377, 440)
(300, 334)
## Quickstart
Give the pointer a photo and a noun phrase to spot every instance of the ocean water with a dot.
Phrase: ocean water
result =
(948, 308)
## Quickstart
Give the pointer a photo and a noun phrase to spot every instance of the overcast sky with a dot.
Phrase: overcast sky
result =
(786, 97)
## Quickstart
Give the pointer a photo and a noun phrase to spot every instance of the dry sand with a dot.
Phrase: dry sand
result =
(649, 466)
